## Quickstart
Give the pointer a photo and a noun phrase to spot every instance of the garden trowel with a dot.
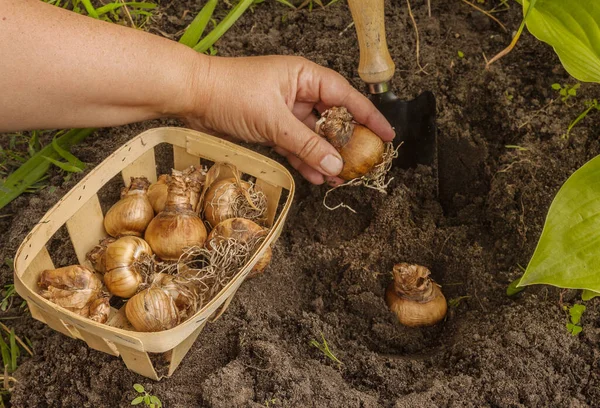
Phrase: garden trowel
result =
(414, 120)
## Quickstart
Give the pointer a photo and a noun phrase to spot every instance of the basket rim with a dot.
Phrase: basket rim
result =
(219, 298)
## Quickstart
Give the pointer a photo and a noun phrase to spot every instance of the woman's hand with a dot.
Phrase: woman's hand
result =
(133, 76)
(270, 100)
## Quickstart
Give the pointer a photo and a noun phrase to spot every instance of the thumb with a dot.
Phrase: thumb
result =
(295, 137)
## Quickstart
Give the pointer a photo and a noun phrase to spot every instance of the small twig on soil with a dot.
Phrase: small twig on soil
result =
(429, 8)
(128, 14)
(6, 329)
(421, 69)
(346, 29)
(537, 112)
(486, 13)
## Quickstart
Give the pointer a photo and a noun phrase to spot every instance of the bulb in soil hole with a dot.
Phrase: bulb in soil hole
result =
(157, 193)
(96, 255)
(132, 213)
(244, 232)
(152, 310)
(127, 261)
(414, 297)
(72, 287)
(360, 148)
(177, 227)
(229, 198)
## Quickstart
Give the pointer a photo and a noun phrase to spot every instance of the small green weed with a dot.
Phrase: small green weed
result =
(455, 302)
(324, 348)
(8, 296)
(589, 106)
(566, 91)
(270, 402)
(460, 54)
(151, 401)
(574, 319)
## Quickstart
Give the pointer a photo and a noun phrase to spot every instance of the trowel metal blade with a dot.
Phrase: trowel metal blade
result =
(414, 123)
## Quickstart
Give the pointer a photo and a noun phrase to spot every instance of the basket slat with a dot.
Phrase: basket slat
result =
(56, 324)
(220, 151)
(98, 343)
(86, 228)
(179, 352)
(137, 361)
(182, 159)
(144, 166)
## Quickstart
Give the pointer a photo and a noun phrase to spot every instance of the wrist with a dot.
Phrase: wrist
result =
(191, 90)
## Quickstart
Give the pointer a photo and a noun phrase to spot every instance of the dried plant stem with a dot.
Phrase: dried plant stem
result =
(486, 13)
(6, 379)
(128, 13)
(412, 18)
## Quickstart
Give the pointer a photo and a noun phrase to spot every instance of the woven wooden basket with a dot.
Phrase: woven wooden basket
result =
(81, 212)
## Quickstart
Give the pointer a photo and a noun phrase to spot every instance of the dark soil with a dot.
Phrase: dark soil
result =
(330, 269)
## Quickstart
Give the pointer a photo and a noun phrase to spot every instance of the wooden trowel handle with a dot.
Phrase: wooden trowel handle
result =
(376, 65)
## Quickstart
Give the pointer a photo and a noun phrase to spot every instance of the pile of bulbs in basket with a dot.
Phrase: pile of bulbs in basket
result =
(173, 246)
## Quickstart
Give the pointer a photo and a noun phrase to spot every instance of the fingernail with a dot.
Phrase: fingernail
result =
(332, 164)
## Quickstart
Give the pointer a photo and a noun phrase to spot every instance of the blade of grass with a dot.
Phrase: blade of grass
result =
(36, 167)
(65, 154)
(64, 166)
(14, 351)
(287, 3)
(5, 352)
(111, 7)
(221, 28)
(89, 8)
(192, 34)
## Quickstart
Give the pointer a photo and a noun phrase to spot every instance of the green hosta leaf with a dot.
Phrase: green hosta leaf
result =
(572, 28)
(589, 295)
(568, 252)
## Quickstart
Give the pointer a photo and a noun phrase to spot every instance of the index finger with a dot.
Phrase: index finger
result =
(335, 90)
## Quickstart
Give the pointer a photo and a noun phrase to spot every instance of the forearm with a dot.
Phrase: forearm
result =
(59, 69)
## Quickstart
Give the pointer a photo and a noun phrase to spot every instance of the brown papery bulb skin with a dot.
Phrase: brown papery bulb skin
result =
(177, 227)
(360, 148)
(122, 258)
(132, 213)
(241, 230)
(157, 193)
(99, 310)
(71, 287)
(414, 298)
(152, 310)
(195, 178)
(96, 255)
(220, 199)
